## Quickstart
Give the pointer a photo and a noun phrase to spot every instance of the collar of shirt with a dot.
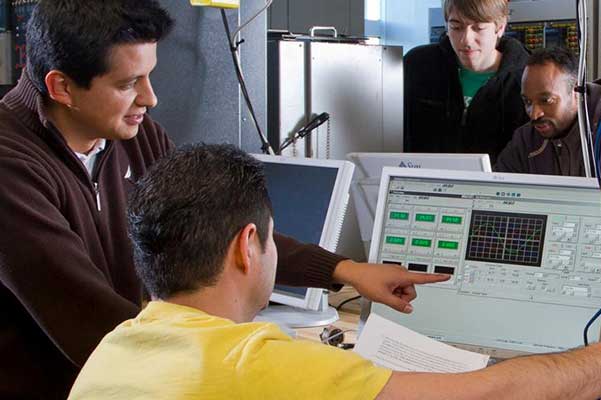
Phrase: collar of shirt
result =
(88, 160)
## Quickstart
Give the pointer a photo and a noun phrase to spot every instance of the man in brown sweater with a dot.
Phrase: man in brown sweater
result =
(74, 137)
(550, 143)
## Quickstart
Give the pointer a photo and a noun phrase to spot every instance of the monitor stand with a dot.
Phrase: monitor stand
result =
(291, 317)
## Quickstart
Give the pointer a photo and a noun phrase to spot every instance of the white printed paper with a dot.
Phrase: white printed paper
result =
(393, 346)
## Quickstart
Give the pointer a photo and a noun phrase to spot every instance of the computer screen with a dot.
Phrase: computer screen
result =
(309, 199)
(368, 169)
(524, 253)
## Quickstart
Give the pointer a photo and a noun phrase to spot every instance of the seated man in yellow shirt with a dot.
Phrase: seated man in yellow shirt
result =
(202, 232)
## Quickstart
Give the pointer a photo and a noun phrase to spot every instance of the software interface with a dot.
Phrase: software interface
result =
(369, 170)
(300, 196)
(525, 260)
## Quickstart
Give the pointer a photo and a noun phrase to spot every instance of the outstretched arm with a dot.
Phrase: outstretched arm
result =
(571, 375)
(390, 284)
(309, 265)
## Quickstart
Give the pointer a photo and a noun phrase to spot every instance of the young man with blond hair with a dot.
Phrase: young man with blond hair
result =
(463, 94)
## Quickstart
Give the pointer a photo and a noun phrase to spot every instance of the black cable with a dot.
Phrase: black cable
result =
(581, 88)
(588, 325)
(339, 306)
(265, 147)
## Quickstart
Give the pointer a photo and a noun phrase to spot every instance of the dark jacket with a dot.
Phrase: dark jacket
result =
(66, 270)
(529, 153)
(435, 118)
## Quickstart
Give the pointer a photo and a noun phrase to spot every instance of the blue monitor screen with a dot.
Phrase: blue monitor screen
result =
(300, 195)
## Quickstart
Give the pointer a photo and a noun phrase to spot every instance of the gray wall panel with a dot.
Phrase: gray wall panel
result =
(357, 18)
(298, 16)
(304, 14)
(278, 15)
(195, 79)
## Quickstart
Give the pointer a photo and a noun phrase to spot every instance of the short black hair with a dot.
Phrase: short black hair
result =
(561, 57)
(186, 211)
(76, 36)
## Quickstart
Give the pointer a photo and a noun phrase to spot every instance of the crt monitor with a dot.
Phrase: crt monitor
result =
(368, 169)
(309, 198)
(524, 252)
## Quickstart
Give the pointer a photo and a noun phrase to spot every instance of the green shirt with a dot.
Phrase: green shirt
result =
(471, 82)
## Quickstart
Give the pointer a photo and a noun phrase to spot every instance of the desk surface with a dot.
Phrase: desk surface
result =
(348, 323)
(349, 317)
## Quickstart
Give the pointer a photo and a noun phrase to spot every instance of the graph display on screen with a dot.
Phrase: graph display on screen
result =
(508, 238)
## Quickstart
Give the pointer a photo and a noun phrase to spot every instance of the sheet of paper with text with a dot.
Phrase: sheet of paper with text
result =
(393, 346)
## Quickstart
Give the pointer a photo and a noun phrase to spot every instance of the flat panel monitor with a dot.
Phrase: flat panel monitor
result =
(368, 169)
(309, 198)
(524, 253)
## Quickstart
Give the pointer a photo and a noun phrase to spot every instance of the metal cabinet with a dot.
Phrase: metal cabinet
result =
(360, 86)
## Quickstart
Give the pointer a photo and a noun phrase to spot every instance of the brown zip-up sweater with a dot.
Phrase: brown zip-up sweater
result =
(66, 269)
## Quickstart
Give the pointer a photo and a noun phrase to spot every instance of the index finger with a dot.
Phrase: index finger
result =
(421, 278)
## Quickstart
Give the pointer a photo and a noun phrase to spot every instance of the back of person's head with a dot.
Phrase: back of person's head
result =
(186, 211)
(76, 36)
(563, 58)
(478, 10)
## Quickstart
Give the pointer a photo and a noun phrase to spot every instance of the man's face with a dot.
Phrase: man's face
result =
(474, 42)
(114, 105)
(549, 98)
(268, 261)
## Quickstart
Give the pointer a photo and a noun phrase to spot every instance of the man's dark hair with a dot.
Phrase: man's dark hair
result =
(76, 36)
(184, 214)
(561, 57)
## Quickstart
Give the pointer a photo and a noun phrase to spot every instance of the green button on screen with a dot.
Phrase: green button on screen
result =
(395, 240)
(443, 244)
(421, 242)
(425, 217)
(450, 219)
(399, 215)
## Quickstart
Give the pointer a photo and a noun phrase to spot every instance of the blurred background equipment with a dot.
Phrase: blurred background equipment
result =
(359, 85)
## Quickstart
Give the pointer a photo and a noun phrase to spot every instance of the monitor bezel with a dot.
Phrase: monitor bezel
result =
(361, 173)
(332, 224)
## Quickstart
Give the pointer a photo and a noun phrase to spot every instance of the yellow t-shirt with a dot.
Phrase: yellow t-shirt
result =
(175, 352)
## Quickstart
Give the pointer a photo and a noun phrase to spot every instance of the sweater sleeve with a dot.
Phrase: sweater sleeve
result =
(305, 264)
(46, 267)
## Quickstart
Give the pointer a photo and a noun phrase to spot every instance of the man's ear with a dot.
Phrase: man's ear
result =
(246, 247)
(59, 87)
(575, 95)
(500, 27)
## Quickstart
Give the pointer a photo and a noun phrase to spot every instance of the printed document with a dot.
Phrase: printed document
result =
(393, 346)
